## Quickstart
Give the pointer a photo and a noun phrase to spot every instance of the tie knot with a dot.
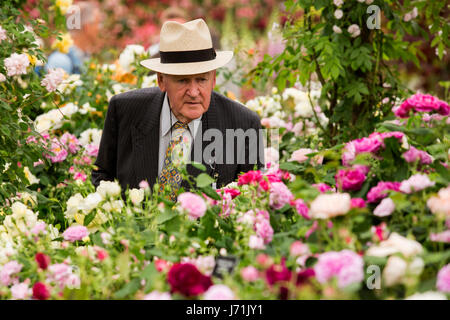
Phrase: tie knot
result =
(180, 125)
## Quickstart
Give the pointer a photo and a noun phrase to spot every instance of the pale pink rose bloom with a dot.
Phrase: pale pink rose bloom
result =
(38, 163)
(219, 292)
(38, 228)
(53, 79)
(91, 150)
(338, 14)
(302, 208)
(256, 242)
(264, 230)
(380, 190)
(336, 29)
(2, 34)
(416, 183)
(385, 208)
(443, 236)
(327, 206)
(193, 204)
(338, 3)
(156, 295)
(280, 195)
(79, 175)
(9, 269)
(297, 129)
(144, 184)
(227, 205)
(346, 265)
(59, 153)
(2, 77)
(440, 204)
(62, 275)
(75, 233)
(413, 155)
(20, 291)
(443, 279)
(300, 156)
(298, 249)
(17, 64)
(354, 30)
(250, 274)
(71, 141)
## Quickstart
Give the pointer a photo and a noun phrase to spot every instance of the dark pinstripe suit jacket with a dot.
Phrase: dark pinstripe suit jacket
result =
(129, 147)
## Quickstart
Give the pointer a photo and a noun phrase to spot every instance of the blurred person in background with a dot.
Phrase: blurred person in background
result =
(170, 14)
(86, 40)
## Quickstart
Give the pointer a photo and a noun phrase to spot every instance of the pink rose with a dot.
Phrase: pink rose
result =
(256, 242)
(323, 187)
(20, 291)
(10, 268)
(416, 183)
(264, 230)
(346, 265)
(250, 177)
(75, 233)
(193, 204)
(443, 279)
(219, 292)
(300, 155)
(357, 203)
(301, 207)
(385, 208)
(443, 236)
(380, 190)
(71, 142)
(156, 295)
(350, 179)
(53, 79)
(250, 274)
(17, 64)
(298, 249)
(59, 153)
(280, 195)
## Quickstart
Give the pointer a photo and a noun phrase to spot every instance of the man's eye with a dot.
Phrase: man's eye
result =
(182, 80)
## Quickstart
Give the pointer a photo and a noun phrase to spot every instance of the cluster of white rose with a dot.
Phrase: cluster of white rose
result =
(129, 55)
(23, 222)
(400, 269)
(106, 200)
(55, 118)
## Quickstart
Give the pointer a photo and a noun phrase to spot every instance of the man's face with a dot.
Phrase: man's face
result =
(189, 95)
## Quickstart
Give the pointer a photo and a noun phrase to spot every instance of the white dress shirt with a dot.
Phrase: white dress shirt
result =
(166, 121)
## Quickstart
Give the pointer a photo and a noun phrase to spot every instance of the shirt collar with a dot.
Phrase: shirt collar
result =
(167, 114)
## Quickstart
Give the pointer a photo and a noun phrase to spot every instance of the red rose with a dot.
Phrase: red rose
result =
(277, 273)
(42, 260)
(187, 280)
(303, 276)
(40, 291)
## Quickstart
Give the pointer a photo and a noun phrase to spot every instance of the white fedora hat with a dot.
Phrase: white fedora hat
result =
(187, 49)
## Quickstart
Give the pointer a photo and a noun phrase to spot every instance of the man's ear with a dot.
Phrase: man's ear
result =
(214, 77)
(161, 84)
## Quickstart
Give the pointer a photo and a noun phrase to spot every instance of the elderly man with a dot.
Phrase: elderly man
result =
(146, 129)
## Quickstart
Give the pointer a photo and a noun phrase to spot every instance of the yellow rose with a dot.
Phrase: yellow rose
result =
(64, 44)
(63, 5)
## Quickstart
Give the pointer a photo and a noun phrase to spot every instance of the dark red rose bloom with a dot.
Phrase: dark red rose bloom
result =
(303, 276)
(40, 291)
(187, 280)
(42, 260)
(277, 273)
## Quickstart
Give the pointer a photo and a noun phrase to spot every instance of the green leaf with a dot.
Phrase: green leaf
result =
(204, 180)
(210, 192)
(442, 171)
(129, 289)
(89, 218)
(198, 166)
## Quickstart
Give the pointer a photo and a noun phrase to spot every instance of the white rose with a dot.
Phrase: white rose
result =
(91, 202)
(19, 210)
(338, 14)
(429, 295)
(394, 271)
(136, 196)
(396, 243)
(326, 206)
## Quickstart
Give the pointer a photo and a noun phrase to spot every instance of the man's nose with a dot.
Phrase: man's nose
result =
(193, 89)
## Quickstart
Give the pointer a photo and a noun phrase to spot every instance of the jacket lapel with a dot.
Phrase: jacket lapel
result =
(145, 137)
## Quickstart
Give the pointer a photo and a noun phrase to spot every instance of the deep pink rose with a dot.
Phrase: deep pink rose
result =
(250, 177)
(350, 179)
(42, 260)
(40, 291)
(187, 280)
(380, 190)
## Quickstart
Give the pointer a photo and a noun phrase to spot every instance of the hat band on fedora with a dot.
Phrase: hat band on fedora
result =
(187, 56)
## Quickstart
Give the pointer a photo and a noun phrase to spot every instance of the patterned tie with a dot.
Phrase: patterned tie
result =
(170, 176)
